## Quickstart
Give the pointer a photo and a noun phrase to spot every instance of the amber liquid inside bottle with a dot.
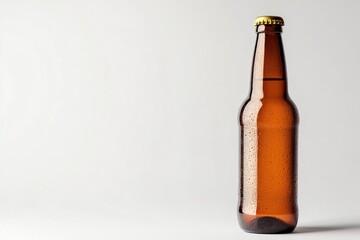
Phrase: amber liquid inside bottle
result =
(268, 151)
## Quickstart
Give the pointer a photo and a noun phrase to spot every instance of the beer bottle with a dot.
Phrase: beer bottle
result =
(268, 149)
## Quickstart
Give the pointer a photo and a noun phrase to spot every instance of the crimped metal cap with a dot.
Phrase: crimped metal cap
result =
(269, 20)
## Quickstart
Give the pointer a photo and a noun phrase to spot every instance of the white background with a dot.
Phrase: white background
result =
(118, 119)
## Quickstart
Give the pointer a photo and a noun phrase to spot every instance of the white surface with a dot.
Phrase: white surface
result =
(118, 119)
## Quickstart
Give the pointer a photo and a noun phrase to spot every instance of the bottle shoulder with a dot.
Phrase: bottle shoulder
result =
(269, 111)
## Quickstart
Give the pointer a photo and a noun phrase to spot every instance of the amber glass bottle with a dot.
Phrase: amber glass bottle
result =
(268, 147)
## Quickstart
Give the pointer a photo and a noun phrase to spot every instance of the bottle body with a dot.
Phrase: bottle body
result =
(268, 143)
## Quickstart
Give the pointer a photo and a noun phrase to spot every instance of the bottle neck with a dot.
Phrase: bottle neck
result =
(269, 69)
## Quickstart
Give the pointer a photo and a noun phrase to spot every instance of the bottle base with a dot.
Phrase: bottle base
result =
(266, 225)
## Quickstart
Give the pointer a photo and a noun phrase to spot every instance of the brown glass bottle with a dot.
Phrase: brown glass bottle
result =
(268, 151)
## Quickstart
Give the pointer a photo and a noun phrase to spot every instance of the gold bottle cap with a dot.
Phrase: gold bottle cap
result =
(269, 20)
